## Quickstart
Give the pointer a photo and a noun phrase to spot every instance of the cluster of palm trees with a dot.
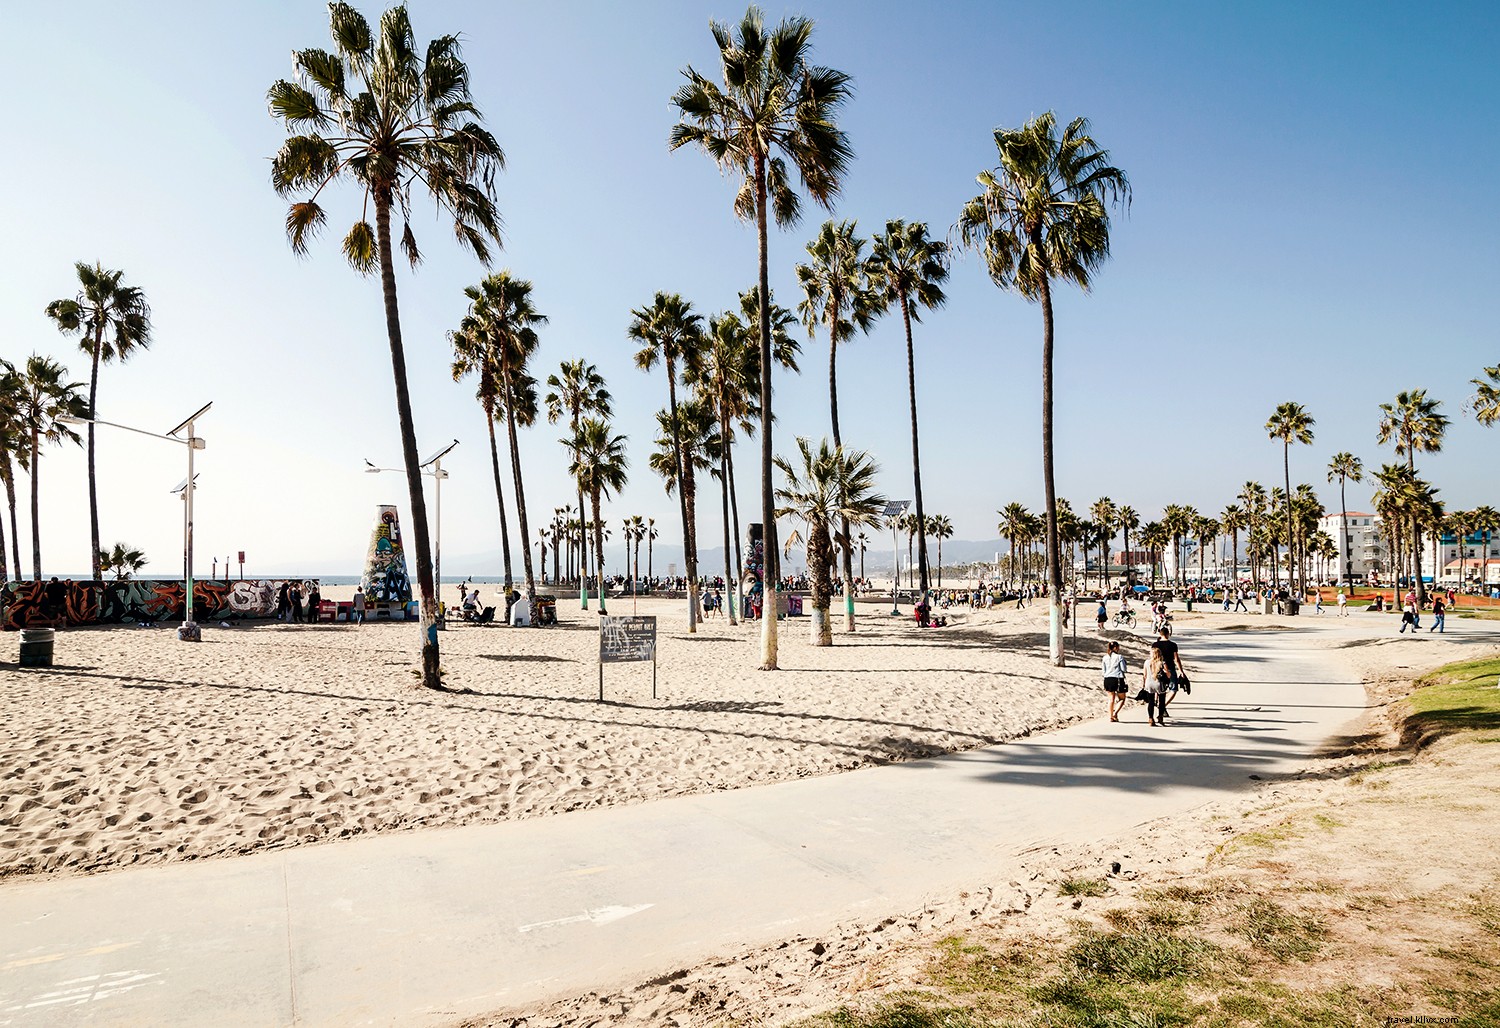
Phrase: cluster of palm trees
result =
(112, 320)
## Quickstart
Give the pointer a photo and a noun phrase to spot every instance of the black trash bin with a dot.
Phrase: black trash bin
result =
(1292, 606)
(36, 647)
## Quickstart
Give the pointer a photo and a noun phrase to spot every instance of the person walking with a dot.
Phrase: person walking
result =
(1343, 604)
(1239, 599)
(314, 602)
(1101, 616)
(1439, 614)
(283, 601)
(1170, 673)
(1318, 603)
(1114, 679)
(294, 597)
(1409, 618)
(358, 613)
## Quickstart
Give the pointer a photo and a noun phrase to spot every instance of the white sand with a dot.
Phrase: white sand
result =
(139, 748)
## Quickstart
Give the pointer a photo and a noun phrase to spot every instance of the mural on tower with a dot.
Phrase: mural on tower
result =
(385, 579)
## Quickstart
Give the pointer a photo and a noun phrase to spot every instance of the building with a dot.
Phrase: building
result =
(1474, 563)
(1365, 551)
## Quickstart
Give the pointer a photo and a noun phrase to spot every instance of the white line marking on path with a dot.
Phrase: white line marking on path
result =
(600, 915)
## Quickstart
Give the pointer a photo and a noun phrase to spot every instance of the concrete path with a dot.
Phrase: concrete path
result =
(430, 926)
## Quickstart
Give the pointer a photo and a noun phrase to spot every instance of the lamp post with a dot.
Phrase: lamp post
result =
(893, 510)
(189, 632)
(437, 474)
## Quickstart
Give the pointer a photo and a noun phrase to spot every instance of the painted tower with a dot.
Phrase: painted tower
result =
(385, 579)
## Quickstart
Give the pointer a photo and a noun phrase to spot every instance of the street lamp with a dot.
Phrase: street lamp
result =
(189, 632)
(893, 510)
(437, 474)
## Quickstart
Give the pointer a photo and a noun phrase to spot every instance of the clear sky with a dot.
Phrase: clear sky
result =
(1314, 220)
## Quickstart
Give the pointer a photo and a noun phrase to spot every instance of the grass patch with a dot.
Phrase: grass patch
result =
(901, 1014)
(1082, 887)
(1457, 697)
(1271, 929)
(1140, 956)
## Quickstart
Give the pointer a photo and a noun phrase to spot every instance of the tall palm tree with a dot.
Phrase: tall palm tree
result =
(1253, 496)
(671, 333)
(863, 541)
(907, 271)
(474, 353)
(1484, 519)
(942, 528)
(835, 296)
(1207, 530)
(46, 397)
(394, 119)
(689, 444)
(1127, 521)
(1414, 424)
(651, 533)
(722, 379)
(578, 392)
(1154, 536)
(12, 453)
(1291, 423)
(1042, 216)
(1232, 520)
(1103, 512)
(1178, 521)
(826, 485)
(775, 106)
(1345, 467)
(113, 320)
(599, 466)
(1013, 527)
(635, 531)
(504, 319)
(1486, 400)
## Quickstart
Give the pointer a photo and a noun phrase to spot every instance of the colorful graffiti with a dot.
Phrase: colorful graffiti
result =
(26, 604)
(385, 579)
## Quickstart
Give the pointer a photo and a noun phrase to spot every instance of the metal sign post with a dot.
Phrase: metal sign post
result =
(626, 639)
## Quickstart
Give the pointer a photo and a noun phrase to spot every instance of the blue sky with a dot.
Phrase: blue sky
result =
(1313, 220)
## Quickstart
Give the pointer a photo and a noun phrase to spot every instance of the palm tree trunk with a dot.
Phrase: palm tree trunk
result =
(819, 550)
(583, 549)
(556, 562)
(36, 523)
(489, 419)
(515, 471)
(770, 605)
(598, 551)
(916, 458)
(690, 500)
(835, 302)
(431, 674)
(93, 480)
(10, 499)
(724, 497)
(684, 503)
(734, 511)
(1054, 550)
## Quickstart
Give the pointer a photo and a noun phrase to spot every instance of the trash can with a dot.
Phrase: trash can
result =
(1267, 605)
(1189, 602)
(1292, 604)
(36, 647)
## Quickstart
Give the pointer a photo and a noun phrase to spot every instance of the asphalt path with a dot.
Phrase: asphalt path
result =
(429, 926)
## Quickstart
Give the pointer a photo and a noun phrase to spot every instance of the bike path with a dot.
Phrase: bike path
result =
(430, 926)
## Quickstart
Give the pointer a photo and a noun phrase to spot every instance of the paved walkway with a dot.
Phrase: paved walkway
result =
(430, 926)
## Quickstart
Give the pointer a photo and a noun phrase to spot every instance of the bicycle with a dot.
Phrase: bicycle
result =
(1125, 619)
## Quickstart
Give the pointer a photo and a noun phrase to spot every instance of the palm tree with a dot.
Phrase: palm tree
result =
(1013, 526)
(907, 270)
(651, 533)
(722, 379)
(863, 541)
(1345, 467)
(578, 392)
(45, 399)
(635, 531)
(1104, 514)
(1231, 520)
(689, 443)
(393, 119)
(1154, 537)
(1486, 400)
(942, 528)
(673, 334)
(1253, 496)
(122, 561)
(1127, 521)
(1484, 519)
(503, 321)
(827, 485)
(1178, 521)
(1207, 530)
(1042, 216)
(12, 452)
(774, 106)
(1414, 423)
(835, 295)
(103, 306)
(599, 467)
(1290, 422)
(474, 353)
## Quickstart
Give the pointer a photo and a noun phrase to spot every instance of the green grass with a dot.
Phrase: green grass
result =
(1457, 697)
(1271, 929)
(1082, 887)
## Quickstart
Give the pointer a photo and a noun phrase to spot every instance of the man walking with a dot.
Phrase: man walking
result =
(1439, 613)
(1343, 604)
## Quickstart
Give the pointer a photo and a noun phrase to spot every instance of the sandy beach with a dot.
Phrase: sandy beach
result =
(136, 748)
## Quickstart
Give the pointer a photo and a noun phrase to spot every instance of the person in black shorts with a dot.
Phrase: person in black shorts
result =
(1114, 679)
(1168, 660)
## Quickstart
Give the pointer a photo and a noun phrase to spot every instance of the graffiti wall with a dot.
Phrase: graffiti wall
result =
(385, 579)
(25, 604)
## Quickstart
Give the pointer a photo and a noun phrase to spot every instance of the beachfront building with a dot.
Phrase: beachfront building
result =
(1365, 550)
(1471, 560)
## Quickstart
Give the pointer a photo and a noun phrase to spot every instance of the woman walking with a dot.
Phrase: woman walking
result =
(1170, 673)
(1114, 679)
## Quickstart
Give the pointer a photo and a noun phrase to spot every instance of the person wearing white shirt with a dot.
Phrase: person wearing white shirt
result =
(1114, 679)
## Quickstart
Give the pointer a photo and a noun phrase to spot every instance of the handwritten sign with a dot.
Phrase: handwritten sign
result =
(627, 638)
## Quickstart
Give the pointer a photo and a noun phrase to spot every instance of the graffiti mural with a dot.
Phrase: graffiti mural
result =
(26, 604)
(385, 579)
